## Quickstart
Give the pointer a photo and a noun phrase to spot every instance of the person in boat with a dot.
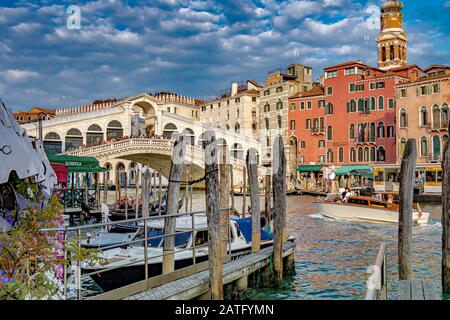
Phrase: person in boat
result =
(347, 194)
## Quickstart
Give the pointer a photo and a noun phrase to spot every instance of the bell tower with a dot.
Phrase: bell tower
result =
(392, 39)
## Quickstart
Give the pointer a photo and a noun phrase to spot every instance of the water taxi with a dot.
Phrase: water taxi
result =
(367, 209)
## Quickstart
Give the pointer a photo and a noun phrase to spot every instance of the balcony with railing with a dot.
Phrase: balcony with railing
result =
(318, 130)
(434, 157)
(366, 140)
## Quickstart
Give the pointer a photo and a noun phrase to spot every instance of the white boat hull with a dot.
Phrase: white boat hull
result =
(340, 211)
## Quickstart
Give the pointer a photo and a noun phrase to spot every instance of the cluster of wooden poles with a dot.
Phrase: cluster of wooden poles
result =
(218, 195)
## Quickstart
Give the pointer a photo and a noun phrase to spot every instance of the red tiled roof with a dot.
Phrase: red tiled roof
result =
(436, 66)
(315, 91)
(408, 67)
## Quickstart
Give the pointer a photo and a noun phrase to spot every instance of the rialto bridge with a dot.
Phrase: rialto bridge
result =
(139, 130)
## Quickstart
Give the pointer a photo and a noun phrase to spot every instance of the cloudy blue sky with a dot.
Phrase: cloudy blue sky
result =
(192, 47)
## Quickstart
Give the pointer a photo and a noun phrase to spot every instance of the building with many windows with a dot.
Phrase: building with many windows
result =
(307, 127)
(274, 106)
(423, 113)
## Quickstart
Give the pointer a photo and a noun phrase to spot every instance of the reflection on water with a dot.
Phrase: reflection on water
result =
(332, 257)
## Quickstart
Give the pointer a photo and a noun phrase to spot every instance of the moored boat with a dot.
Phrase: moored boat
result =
(124, 266)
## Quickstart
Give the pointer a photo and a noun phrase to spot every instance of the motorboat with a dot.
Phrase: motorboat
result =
(123, 266)
(367, 209)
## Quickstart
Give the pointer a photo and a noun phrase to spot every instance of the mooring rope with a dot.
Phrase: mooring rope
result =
(192, 182)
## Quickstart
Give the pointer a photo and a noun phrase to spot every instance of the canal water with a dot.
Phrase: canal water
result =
(332, 257)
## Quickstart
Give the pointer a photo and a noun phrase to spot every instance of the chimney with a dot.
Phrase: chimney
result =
(234, 88)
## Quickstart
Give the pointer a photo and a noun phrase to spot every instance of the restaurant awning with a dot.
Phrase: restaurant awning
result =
(310, 168)
(365, 171)
(77, 164)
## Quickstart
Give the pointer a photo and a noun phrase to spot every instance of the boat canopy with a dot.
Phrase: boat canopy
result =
(77, 164)
(365, 171)
(245, 227)
(309, 168)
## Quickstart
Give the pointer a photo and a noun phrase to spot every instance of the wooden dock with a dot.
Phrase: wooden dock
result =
(197, 285)
(417, 290)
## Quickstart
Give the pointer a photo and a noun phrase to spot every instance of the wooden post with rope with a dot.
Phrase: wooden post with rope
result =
(224, 196)
(405, 223)
(212, 214)
(252, 168)
(146, 177)
(125, 174)
(244, 189)
(446, 221)
(232, 187)
(173, 193)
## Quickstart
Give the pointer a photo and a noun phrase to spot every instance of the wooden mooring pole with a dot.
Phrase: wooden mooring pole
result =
(105, 187)
(145, 183)
(252, 168)
(405, 215)
(173, 194)
(267, 193)
(279, 204)
(244, 190)
(125, 174)
(232, 186)
(224, 196)
(446, 221)
(212, 215)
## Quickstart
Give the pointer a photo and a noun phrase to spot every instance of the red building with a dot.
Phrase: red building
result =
(356, 124)
(307, 127)
(360, 114)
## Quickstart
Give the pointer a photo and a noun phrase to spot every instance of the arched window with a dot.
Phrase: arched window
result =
(169, 130)
(94, 135)
(330, 156)
(381, 131)
(114, 130)
(52, 143)
(423, 116)
(221, 142)
(267, 107)
(360, 154)
(436, 117)
(403, 118)
(330, 133)
(366, 155)
(237, 151)
(383, 54)
(279, 105)
(352, 106)
(74, 139)
(444, 116)
(372, 132)
(237, 128)
(279, 122)
(341, 155)
(189, 133)
(352, 132)
(360, 105)
(329, 109)
(266, 121)
(424, 147)
(373, 103)
(292, 125)
(436, 147)
(381, 156)
(352, 155)
(254, 113)
(373, 154)
(401, 147)
(380, 103)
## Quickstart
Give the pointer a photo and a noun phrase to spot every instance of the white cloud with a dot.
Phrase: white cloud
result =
(15, 75)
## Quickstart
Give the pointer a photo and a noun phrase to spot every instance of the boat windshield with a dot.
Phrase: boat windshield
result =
(181, 239)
